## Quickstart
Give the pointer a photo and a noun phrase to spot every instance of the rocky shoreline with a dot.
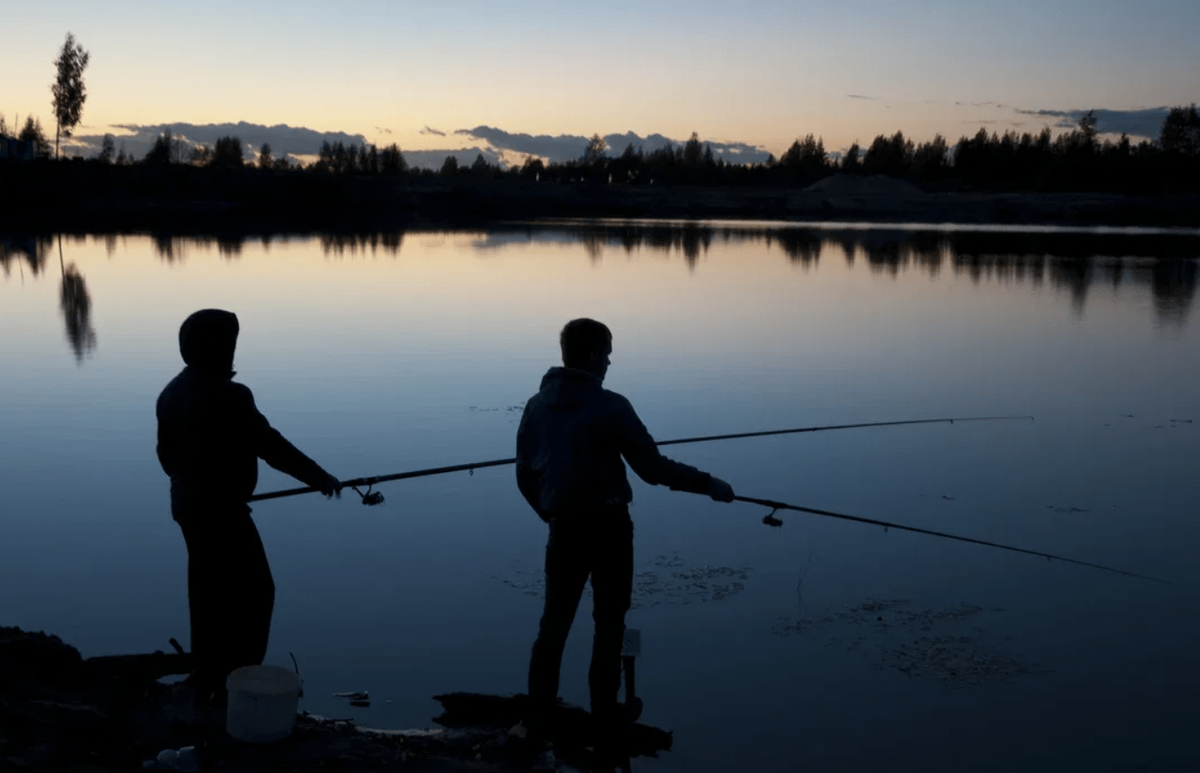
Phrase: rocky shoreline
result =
(60, 712)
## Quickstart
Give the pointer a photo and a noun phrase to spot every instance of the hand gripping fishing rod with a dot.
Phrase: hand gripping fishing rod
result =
(771, 520)
(375, 498)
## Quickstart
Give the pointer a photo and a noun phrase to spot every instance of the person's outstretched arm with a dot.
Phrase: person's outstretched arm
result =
(274, 449)
(640, 450)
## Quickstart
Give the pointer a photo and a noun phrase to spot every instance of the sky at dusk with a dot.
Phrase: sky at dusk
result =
(511, 77)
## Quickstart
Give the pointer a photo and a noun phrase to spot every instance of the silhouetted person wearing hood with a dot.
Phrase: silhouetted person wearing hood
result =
(570, 443)
(210, 438)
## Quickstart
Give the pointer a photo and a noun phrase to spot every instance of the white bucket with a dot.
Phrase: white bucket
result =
(262, 703)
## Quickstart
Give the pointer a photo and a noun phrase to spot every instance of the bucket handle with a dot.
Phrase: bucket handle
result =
(296, 666)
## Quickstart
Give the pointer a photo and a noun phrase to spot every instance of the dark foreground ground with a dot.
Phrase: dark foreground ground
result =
(82, 196)
(60, 712)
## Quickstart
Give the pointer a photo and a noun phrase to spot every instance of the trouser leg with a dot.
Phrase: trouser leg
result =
(204, 608)
(566, 573)
(231, 595)
(251, 599)
(612, 588)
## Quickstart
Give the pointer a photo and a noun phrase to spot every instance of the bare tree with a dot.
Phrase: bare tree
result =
(68, 91)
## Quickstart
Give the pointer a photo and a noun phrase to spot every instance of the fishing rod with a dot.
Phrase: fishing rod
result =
(771, 520)
(375, 498)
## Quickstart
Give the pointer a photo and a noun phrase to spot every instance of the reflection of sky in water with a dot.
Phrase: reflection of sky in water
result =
(415, 351)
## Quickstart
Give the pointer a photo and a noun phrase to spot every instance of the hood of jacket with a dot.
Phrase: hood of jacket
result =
(207, 340)
(567, 387)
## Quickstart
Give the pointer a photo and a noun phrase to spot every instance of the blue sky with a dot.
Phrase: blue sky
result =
(758, 72)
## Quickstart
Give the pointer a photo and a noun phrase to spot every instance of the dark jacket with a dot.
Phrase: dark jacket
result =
(210, 433)
(572, 437)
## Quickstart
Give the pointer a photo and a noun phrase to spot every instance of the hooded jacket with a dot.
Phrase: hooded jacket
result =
(571, 441)
(210, 433)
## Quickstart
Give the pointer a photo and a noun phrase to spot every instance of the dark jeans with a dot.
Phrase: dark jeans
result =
(230, 592)
(596, 542)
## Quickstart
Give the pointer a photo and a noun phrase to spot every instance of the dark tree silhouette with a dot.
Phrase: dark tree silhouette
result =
(1180, 134)
(32, 132)
(692, 151)
(264, 156)
(450, 166)
(391, 161)
(68, 91)
(851, 162)
(227, 153)
(108, 149)
(805, 158)
(931, 158)
(160, 151)
(594, 153)
(889, 155)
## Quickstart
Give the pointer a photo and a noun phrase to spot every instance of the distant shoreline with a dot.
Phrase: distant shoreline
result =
(37, 197)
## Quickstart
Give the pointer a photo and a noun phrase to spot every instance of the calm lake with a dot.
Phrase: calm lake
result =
(822, 645)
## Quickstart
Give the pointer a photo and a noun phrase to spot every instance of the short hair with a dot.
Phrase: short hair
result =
(582, 337)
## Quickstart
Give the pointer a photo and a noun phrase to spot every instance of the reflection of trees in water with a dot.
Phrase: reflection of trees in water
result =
(802, 247)
(1173, 283)
(1003, 268)
(173, 248)
(76, 306)
(1072, 261)
(341, 244)
(24, 251)
(1075, 276)
(230, 246)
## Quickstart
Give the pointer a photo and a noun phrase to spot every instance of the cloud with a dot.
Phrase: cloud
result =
(383, 130)
(431, 130)
(568, 147)
(137, 139)
(860, 96)
(1146, 122)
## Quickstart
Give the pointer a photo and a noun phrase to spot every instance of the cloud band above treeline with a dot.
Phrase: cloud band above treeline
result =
(568, 147)
(1145, 123)
(283, 139)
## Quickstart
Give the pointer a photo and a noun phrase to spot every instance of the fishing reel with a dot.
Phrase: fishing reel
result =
(369, 498)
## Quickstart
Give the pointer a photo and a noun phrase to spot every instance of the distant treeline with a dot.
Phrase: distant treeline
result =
(1075, 160)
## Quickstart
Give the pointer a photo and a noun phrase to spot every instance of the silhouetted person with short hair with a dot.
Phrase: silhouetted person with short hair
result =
(570, 443)
(210, 438)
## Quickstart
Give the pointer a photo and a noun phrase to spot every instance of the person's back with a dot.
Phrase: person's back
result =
(572, 439)
(573, 436)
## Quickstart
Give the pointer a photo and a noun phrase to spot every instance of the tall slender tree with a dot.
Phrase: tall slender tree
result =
(68, 90)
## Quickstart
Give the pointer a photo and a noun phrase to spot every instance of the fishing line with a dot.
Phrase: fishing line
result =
(771, 520)
(377, 498)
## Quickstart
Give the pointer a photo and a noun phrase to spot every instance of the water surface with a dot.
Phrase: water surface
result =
(822, 643)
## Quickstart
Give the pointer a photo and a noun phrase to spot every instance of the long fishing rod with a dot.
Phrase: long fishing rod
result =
(374, 497)
(771, 520)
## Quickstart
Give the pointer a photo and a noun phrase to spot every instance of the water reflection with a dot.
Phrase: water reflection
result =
(23, 250)
(1174, 284)
(76, 306)
(1073, 262)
